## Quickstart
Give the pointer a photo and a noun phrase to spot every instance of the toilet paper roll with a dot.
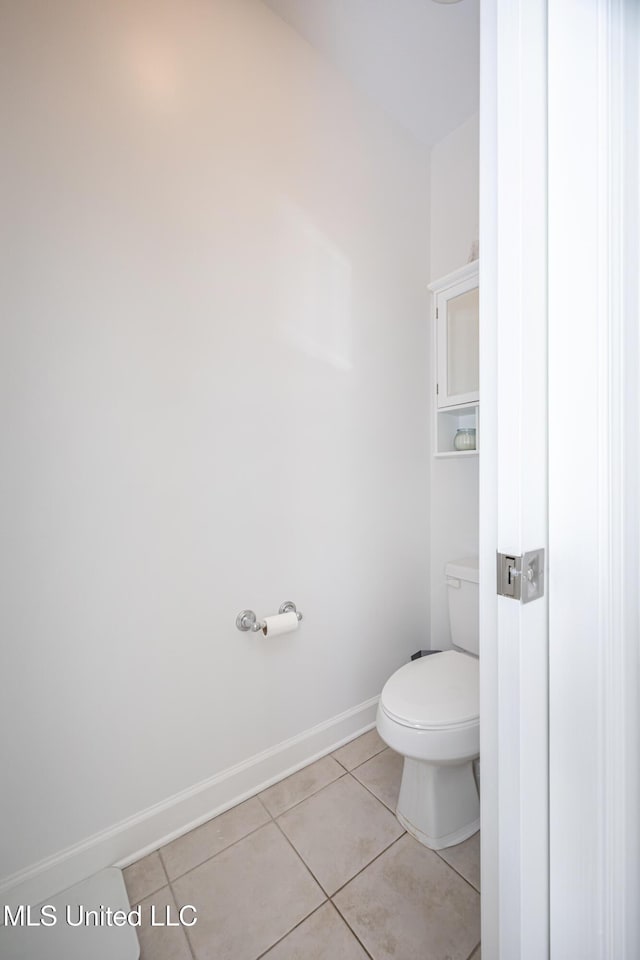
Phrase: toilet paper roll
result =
(280, 623)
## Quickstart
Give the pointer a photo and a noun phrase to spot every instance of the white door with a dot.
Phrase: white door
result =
(560, 356)
(594, 488)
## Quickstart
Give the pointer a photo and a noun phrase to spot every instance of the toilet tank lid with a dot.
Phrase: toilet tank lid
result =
(466, 568)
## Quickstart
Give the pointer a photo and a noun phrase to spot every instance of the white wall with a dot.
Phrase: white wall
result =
(454, 241)
(214, 392)
(454, 199)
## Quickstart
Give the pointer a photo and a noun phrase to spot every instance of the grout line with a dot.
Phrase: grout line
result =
(314, 794)
(330, 895)
(167, 886)
(302, 800)
(340, 764)
(341, 914)
(347, 773)
(366, 867)
(164, 868)
(147, 895)
(351, 769)
(262, 803)
(190, 946)
(156, 889)
(218, 852)
(456, 871)
(302, 861)
(352, 931)
(299, 924)
(376, 754)
(369, 790)
(175, 900)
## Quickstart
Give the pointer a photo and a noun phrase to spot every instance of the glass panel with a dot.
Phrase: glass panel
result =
(462, 343)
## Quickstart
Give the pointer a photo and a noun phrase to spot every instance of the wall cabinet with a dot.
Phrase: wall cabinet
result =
(456, 343)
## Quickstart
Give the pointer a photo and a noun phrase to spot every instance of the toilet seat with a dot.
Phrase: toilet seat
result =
(437, 692)
(429, 713)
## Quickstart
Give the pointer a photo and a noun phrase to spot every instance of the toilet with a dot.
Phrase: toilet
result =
(429, 713)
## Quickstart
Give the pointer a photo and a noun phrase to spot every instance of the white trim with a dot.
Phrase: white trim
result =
(456, 276)
(489, 810)
(615, 416)
(131, 839)
(620, 46)
(625, 875)
(456, 454)
(523, 630)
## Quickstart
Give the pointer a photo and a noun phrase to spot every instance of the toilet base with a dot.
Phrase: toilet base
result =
(438, 804)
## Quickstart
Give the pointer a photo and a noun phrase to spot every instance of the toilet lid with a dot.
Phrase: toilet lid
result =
(435, 691)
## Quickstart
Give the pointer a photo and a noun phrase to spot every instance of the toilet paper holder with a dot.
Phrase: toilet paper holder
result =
(247, 620)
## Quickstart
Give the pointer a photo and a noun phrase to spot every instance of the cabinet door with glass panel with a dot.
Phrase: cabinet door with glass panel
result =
(457, 329)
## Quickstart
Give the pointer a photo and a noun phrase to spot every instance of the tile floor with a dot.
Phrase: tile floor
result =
(315, 867)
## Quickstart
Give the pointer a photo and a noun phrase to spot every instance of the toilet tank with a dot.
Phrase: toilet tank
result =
(463, 591)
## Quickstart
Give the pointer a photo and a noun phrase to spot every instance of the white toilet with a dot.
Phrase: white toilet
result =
(429, 712)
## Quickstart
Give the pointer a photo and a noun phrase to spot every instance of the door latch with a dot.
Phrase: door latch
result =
(521, 577)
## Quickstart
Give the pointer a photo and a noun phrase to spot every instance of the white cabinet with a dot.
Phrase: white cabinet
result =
(457, 395)
(456, 302)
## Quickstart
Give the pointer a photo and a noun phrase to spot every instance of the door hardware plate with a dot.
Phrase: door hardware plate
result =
(521, 577)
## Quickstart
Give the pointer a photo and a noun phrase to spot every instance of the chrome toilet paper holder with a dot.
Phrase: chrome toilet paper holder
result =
(247, 620)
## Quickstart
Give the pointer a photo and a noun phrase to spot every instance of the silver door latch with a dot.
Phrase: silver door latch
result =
(521, 578)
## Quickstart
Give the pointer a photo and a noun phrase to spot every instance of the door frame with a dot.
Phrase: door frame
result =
(577, 893)
(513, 477)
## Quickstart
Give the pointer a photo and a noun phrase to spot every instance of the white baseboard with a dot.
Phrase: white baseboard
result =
(131, 839)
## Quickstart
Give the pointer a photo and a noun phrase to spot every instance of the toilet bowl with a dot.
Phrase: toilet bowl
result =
(429, 713)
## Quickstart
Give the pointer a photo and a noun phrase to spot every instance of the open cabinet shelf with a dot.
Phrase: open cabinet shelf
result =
(448, 422)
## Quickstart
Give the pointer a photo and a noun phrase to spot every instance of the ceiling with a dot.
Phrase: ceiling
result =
(418, 60)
